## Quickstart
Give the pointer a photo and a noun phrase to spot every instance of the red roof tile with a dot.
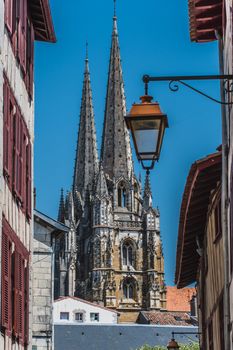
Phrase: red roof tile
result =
(168, 318)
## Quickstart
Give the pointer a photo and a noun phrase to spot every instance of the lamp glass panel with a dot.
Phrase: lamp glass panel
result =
(146, 135)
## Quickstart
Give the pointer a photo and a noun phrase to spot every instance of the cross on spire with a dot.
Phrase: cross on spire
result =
(86, 50)
(114, 8)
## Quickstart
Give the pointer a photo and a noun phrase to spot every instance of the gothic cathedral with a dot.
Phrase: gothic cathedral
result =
(113, 255)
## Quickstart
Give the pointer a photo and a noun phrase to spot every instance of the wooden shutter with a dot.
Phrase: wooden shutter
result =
(29, 180)
(22, 34)
(7, 152)
(19, 295)
(6, 285)
(31, 64)
(9, 15)
(16, 295)
(24, 166)
(26, 303)
(16, 154)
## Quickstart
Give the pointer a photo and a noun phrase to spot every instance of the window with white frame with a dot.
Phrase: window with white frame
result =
(79, 316)
(94, 317)
(64, 316)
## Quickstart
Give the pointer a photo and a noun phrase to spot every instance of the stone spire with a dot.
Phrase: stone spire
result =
(101, 184)
(147, 196)
(86, 162)
(116, 151)
(61, 211)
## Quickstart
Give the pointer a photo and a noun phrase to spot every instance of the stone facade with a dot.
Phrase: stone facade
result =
(46, 233)
(120, 261)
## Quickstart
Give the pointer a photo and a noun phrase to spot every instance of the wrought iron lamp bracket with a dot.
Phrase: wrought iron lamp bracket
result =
(174, 82)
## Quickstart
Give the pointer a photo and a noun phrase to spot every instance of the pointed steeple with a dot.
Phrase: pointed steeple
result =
(147, 195)
(116, 151)
(101, 184)
(61, 211)
(86, 161)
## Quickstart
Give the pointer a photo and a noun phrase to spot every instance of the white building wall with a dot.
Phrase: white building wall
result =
(8, 207)
(73, 306)
(42, 288)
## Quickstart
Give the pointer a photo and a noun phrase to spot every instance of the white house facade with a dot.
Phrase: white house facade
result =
(67, 310)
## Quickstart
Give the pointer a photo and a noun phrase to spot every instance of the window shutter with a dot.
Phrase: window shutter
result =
(9, 15)
(29, 180)
(21, 297)
(16, 153)
(24, 166)
(6, 278)
(22, 34)
(16, 295)
(31, 67)
(26, 303)
(6, 131)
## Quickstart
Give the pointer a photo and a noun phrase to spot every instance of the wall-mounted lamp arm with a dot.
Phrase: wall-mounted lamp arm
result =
(180, 79)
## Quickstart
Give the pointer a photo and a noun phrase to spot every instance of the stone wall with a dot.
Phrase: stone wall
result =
(42, 287)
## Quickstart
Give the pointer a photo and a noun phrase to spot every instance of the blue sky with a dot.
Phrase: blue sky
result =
(154, 39)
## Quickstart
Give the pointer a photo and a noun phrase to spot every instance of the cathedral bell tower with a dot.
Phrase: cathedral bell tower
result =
(119, 251)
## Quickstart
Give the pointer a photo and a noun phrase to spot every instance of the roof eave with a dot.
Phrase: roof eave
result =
(42, 20)
(211, 165)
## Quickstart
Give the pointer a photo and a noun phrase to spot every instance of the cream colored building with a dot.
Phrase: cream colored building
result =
(18, 31)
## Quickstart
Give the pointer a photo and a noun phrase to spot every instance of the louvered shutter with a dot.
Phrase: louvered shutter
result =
(31, 64)
(29, 180)
(21, 144)
(16, 295)
(24, 166)
(21, 298)
(16, 153)
(19, 295)
(6, 131)
(9, 15)
(22, 34)
(26, 303)
(6, 279)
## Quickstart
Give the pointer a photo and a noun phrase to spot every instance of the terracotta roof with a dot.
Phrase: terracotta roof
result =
(42, 20)
(202, 179)
(205, 18)
(179, 299)
(168, 318)
(86, 302)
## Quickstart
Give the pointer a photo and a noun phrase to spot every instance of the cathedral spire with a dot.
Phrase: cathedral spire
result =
(61, 211)
(116, 151)
(86, 161)
(147, 196)
(101, 185)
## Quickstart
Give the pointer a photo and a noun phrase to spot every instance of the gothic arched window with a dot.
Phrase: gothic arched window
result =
(122, 196)
(127, 251)
(128, 289)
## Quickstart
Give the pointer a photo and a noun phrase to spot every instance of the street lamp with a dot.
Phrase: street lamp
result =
(147, 124)
(172, 345)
